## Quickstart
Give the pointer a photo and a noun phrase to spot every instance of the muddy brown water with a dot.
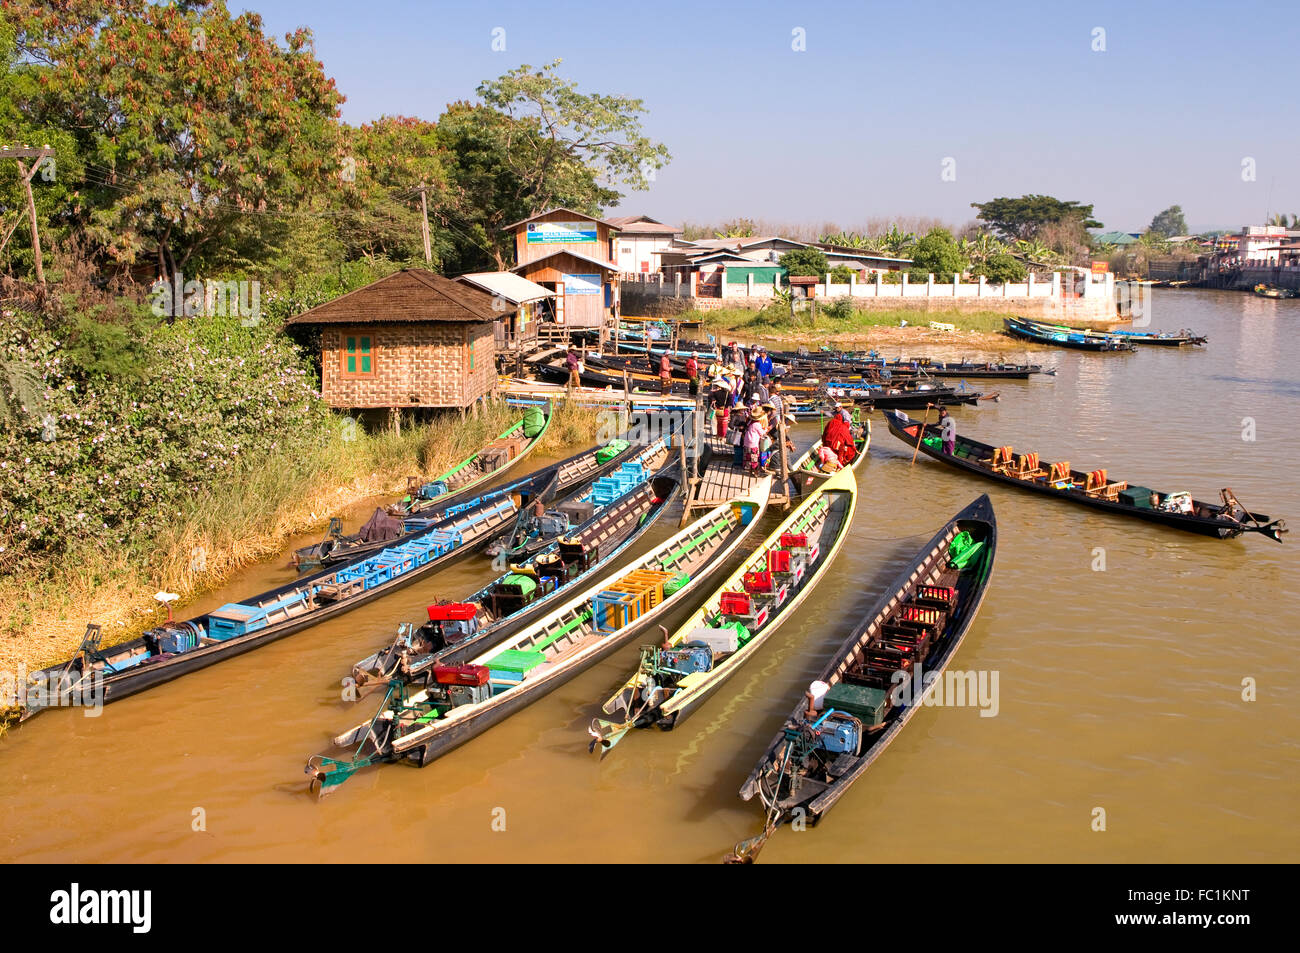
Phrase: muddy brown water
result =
(1119, 689)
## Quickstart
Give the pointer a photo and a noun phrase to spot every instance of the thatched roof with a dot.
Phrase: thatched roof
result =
(412, 294)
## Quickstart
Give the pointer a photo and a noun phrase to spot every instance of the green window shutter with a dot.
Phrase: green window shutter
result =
(352, 356)
(365, 356)
(471, 355)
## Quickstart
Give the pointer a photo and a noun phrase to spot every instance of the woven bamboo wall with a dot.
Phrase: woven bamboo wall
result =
(416, 364)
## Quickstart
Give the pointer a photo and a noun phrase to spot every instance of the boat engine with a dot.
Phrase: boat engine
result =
(690, 658)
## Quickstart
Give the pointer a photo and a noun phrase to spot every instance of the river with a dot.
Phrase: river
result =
(1120, 688)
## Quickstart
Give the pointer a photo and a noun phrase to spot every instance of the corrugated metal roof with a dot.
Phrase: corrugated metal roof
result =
(508, 285)
(643, 225)
(412, 294)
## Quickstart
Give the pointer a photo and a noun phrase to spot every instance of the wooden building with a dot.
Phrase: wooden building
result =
(520, 304)
(572, 255)
(413, 339)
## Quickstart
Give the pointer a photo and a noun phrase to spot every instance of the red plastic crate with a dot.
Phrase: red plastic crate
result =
(794, 540)
(921, 614)
(452, 612)
(460, 674)
(778, 560)
(757, 582)
(735, 603)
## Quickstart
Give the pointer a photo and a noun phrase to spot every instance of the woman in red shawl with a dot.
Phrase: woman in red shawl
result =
(839, 440)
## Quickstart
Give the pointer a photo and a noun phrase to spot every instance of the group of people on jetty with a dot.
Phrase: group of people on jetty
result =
(747, 406)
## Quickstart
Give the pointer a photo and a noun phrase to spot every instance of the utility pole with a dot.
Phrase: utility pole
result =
(39, 155)
(424, 224)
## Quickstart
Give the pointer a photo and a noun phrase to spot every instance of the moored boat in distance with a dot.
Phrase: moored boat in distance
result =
(1273, 291)
(1181, 338)
(877, 679)
(464, 701)
(677, 676)
(1093, 488)
(1027, 331)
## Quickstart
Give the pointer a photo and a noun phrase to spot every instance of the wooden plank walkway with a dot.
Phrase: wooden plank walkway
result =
(722, 481)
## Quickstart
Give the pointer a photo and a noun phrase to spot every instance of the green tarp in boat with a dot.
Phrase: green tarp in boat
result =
(534, 422)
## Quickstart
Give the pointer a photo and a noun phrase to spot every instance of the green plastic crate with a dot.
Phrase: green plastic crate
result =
(516, 660)
(869, 704)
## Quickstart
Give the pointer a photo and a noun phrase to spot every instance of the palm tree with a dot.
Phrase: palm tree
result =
(1034, 252)
(896, 242)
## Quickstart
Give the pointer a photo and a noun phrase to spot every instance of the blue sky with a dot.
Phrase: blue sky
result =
(858, 124)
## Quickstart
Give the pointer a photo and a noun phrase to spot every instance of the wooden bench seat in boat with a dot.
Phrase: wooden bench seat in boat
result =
(1059, 476)
(1097, 486)
(1026, 467)
(1000, 460)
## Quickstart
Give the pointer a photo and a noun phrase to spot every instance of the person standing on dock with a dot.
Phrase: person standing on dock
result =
(693, 375)
(763, 363)
(721, 399)
(571, 362)
(665, 375)
(755, 431)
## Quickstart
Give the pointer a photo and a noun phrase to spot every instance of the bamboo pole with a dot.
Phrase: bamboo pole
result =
(920, 433)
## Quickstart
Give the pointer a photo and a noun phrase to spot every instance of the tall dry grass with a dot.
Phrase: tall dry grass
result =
(233, 524)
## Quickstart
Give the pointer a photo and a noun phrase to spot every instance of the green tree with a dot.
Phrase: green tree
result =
(804, 262)
(736, 228)
(937, 254)
(1170, 222)
(557, 135)
(1000, 267)
(193, 124)
(842, 274)
(895, 242)
(1022, 218)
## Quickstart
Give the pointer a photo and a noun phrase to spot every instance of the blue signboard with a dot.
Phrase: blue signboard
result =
(560, 233)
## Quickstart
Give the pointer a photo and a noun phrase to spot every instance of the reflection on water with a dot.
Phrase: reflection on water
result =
(1120, 689)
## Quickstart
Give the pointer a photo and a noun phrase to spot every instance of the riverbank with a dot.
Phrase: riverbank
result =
(861, 329)
(246, 517)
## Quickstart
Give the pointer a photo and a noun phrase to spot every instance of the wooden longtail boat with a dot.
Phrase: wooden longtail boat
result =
(461, 481)
(877, 679)
(676, 677)
(458, 629)
(1094, 488)
(520, 669)
(1155, 338)
(177, 648)
(528, 534)
(1068, 339)
(1272, 291)
(576, 471)
(849, 362)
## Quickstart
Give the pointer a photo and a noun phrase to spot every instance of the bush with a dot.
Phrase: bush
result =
(841, 309)
(103, 460)
(842, 274)
(1001, 268)
(937, 254)
(804, 262)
